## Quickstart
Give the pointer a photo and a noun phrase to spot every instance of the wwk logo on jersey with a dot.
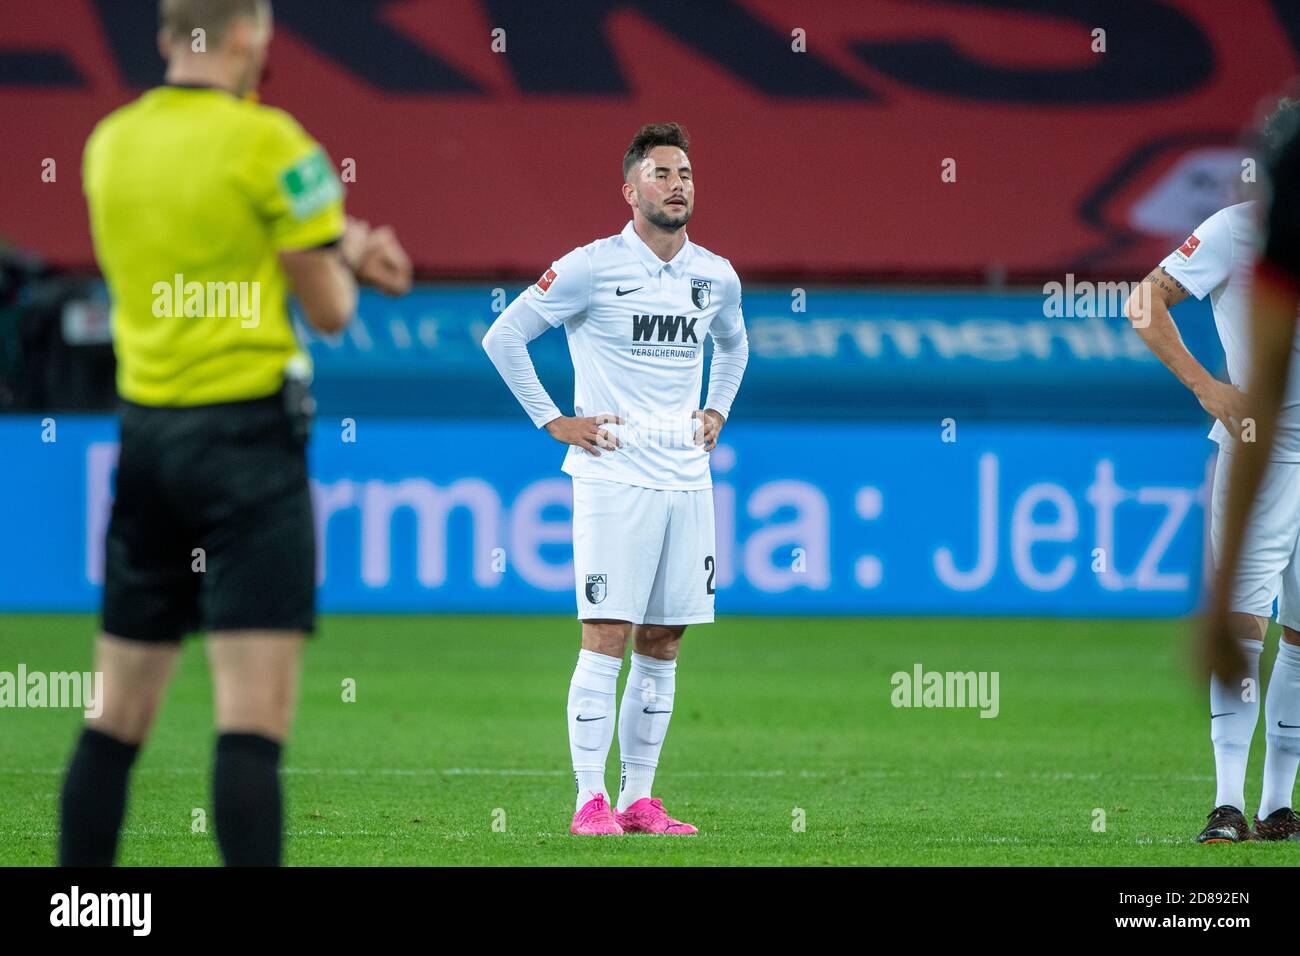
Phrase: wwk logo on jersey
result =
(700, 293)
(664, 328)
(596, 588)
(1188, 247)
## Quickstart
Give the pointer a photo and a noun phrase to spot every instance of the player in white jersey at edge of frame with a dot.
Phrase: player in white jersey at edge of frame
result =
(1217, 260)
(636, 308)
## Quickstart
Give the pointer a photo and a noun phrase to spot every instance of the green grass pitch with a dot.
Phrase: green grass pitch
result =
(459, 724)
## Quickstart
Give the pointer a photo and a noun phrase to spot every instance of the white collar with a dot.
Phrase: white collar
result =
(653, 264)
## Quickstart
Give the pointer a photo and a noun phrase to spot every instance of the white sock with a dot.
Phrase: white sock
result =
(1232, 729)
(642, 723)
(591, 721)
(1281, 706)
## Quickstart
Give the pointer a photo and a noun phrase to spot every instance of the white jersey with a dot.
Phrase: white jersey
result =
(1217, 260)
(636, 328)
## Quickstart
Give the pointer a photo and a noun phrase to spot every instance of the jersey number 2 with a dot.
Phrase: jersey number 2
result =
(708, 566)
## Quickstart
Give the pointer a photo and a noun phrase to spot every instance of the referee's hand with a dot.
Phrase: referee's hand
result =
(356, 235)
(586, 433)
(384, 264)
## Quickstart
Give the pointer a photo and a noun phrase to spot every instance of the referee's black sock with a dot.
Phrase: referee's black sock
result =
(93, 801)
(246, 799)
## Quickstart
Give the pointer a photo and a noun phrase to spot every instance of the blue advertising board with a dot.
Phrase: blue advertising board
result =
(814, 518)
(833, 353)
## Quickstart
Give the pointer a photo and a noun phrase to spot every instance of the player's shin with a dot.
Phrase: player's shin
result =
(642, 724)
(1282, 722)
(1234, 712)
(591, 721)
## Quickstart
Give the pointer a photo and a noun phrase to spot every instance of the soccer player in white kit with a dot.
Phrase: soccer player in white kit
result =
(636, 308)
(1217, 260)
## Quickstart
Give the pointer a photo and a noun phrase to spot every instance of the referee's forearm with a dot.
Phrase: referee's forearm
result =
(324, 285)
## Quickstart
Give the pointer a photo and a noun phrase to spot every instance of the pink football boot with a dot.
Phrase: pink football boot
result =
(595, 818)
(647, 816)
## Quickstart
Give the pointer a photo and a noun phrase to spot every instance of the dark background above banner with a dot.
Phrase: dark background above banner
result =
(823, 163)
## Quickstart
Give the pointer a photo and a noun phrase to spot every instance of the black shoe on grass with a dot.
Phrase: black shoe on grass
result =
(1281, 824)
(1227, 825)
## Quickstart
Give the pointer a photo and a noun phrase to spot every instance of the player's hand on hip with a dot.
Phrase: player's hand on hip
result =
(1225, 402)
(384, 263)
(586, 433)
(710, 427)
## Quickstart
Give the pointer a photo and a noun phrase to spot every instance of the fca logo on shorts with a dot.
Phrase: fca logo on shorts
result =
(596, 588)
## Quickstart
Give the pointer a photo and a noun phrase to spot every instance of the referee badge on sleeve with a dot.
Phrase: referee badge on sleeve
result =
(310, 185)
(595, 588)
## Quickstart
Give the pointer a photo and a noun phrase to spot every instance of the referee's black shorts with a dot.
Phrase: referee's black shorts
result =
(212, 523)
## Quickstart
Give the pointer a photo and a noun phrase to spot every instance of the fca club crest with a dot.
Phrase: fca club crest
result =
(596, 588)
(700, 293)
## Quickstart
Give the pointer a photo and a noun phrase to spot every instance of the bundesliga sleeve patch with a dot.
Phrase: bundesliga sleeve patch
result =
(545, 281)
(310, 185)
(1188, 247)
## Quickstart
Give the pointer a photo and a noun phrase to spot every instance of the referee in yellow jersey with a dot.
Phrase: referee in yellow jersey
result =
(207, 210)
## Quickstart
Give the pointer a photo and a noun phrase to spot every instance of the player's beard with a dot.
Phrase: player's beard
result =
(662, 219)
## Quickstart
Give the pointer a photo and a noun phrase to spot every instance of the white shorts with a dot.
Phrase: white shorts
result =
(1270, 553)
(643, 555)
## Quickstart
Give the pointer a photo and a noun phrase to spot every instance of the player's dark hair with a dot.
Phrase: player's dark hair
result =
(180, 18)
(1281, 124)
(650, 136)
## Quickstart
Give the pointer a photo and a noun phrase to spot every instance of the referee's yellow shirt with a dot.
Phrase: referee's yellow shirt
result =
(193, 193)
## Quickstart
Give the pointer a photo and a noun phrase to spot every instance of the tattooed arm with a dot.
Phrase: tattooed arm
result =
(1148, 309)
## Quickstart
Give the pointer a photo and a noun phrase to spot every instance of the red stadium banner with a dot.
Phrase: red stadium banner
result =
(1079, 136)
